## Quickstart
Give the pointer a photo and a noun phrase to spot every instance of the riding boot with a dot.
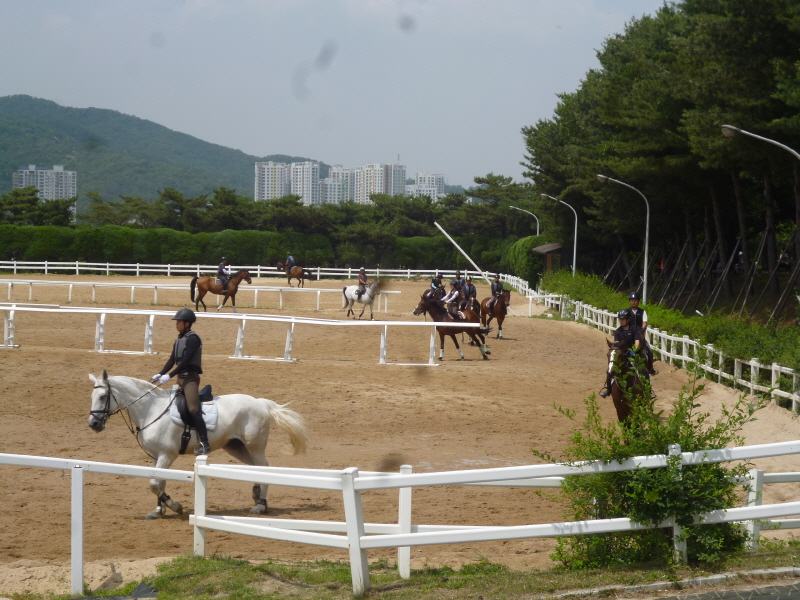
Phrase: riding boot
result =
(202, 434)
(606, 391)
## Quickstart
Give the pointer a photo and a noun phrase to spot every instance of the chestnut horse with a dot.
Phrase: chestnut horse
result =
(498, 311)
(295, 272)
(629, 385)
(430, 303)
(207, 285)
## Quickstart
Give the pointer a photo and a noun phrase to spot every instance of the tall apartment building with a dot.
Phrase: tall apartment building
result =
(272, 181)
(347, 182)
(332, 191)
(53, 184)
(378, 179)
(427, 184)
(394, 179)
(304, 178)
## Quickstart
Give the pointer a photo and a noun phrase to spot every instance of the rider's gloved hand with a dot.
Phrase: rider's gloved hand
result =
(155, 378)
(164, 379)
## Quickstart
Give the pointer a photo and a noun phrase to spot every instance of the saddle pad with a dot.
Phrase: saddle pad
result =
(461, 315)
(218, 281)
(210, 414)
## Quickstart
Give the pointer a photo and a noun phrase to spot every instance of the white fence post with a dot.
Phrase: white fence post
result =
(200, 490)
(30, 292)
(149, 330)
(755, 370)
(354, 517)
(255, 299)
(133, 293)
(404, 521)
(685, 351)
(432, 357)
(137, 269)
(318, 275)
(100, 333)
(237, 353)
(382, 359)
(756, 484)
(679, 543)
(776, 375)
(794, 392)
(77, 269)
(287, 352)
(94, 293)
(76, 533)
(737, 371)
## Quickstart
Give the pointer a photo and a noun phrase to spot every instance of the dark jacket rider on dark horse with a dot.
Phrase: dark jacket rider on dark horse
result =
(497, 291)
(639, 320)
(469, 292)
(628, 339)
(224, 273)
(186, 357)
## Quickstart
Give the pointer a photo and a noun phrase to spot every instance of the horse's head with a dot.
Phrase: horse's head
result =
(507, 297)
(424, 300)
(101, 402)
(246, 275)
(279, 266)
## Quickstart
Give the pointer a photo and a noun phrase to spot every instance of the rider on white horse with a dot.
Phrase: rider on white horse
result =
(186, 358)
(363, 281)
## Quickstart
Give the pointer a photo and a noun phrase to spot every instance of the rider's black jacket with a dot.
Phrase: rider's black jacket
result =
(627, 337)
(186, 354)
(222, 271)
(497, 288)
(470, 291)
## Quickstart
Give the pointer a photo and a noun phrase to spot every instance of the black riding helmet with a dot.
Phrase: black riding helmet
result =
(624, 313)
(634, 296)
(224, 259)
(185, 314)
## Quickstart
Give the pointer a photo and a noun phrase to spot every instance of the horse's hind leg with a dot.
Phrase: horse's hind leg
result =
(221, 306)
(200, 295)
(158, 487)
(240, 452)
(233, 303)
(455, 341)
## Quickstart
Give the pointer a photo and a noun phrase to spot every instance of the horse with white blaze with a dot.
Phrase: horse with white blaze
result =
(242, 428)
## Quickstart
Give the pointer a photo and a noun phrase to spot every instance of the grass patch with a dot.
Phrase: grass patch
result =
(226, 578)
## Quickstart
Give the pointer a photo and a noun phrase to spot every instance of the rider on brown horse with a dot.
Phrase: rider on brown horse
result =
(450, 300)
(224, 273)
(469, 292)
(290, 262)
(627, 338)
(497, 291)
(639, 318)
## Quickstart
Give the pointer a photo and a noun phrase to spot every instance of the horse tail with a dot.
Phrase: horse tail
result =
(344, 297)
(194, 283)
(307, 274)
(290, 422)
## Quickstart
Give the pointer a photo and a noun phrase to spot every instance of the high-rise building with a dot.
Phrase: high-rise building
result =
(378, 179)
(332, 190)
(394, 179)
(347, 179)
(304, 178)
(427, 184)
(272, 181)
(53, 184)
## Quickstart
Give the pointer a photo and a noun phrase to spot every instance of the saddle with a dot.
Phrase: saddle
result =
(179, 413)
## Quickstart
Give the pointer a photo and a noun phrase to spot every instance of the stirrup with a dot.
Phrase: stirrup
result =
(202, 448)
(653, 372)
(605, 392)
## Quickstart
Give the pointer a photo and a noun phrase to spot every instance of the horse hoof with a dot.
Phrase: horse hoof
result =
(485, 357)
(488, 352)
(177, 507)
(259, 509)
(154, 514)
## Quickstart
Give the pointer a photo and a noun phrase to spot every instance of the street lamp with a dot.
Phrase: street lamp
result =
(603, 179)
(575, 243)
(531, 214)
(730, 131)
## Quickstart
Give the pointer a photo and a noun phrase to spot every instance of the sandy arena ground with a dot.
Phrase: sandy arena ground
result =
(460, 415)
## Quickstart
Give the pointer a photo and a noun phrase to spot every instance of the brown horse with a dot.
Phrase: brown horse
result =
(498, 311)
(430, 303)
(628, 384)
(298, 273)
(207, 285)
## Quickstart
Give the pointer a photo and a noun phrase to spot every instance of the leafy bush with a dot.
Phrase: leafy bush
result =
(649, 496)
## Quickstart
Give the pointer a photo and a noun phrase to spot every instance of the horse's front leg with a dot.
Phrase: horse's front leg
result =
(224, 300)
(441, 345)
(158, 487)
(482, 345)
(455, 341)
(233, 303)
(289, 281)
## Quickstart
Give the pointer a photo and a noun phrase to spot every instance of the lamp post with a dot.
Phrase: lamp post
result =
(603, 179)
(575, 243)
(531, 214)
(730, 131)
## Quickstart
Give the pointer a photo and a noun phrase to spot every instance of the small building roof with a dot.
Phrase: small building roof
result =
(547, 248)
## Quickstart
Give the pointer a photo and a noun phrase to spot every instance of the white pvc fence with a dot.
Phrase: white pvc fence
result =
(155, 287)
(77, 469)
(10, 327)
(782, 382)
(77, 268)
(359, 537)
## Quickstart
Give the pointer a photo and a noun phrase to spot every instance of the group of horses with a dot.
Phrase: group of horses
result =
(243, 422)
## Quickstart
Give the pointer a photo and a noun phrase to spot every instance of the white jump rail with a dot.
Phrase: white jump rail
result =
(77, 469)
(750, 375)
(30, 283)
(360, 536)
(10, 310)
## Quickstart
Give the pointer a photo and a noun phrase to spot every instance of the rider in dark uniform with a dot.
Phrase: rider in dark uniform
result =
(497, 291)
(469, 292)
(436, 282)
(289, 261)
(186, 358)
(224, 273)
(639, 320)
(362, 283)
(628, 339)
(459, 281)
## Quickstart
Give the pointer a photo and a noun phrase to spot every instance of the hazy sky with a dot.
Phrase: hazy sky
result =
(444, 84)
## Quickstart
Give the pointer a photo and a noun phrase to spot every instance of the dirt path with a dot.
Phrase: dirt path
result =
(459, 415)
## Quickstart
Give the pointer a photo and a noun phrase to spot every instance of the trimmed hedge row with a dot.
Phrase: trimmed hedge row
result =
(733, 336)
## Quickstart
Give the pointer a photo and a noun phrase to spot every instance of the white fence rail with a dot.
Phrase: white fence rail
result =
(77, 267)
(77, 469)
(155, 287)
(357, 536)
(10, 328)
(360, 536)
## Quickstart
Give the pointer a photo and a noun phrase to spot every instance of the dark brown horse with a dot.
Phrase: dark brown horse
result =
(295, 272)
(207, 285)
(498, 311)
(430, 303)
(629, 384)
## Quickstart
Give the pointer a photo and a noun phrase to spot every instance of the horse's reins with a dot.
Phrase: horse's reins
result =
(129, 421)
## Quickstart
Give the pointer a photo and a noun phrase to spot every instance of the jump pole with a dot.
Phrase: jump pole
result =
(472, 262)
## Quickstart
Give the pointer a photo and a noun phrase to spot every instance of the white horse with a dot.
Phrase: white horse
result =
(349, 297)
(242, 428)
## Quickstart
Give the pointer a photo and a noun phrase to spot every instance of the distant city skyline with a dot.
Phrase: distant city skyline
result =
(447, 85)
